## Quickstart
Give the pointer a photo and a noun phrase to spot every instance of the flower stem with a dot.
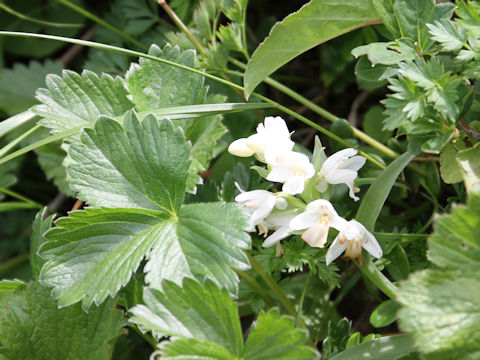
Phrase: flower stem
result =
(272, 284)
(101, 22)
(257, 287)
(371, 271)
(302, 298)
(20, 197)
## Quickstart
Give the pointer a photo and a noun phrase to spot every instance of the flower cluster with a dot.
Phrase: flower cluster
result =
(286, 214)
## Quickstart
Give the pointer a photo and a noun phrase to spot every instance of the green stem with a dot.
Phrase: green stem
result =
(257, 287)
(20, 197)
(346, 289)
(16, 205)
(370, 270)
(181, 25)
(101, 22)
(40, 143)
(13, 262)
(302, 298)
(41, 22)
(272, 284)
(17, 140)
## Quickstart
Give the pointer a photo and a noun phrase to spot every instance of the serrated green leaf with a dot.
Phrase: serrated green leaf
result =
(469, 16)
(449, 168)
(33, 328)
(275, 337)
(205, 313)
(455, 242)
(195, 349)
(19, 84)
(231, 36)
(445, 32)
(207, 316)
(385, 348)
(41, 224)
(413, 15)
(387, 14)
(441, 311)
(144, 165)
(75, 100)
(469, 161)
(316, 22)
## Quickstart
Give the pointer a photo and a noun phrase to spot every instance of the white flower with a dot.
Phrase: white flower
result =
(259, 204)
(292, 169)
(271, 138)
(280, 222)
(340, 168)
(317, 219)
(351, 240)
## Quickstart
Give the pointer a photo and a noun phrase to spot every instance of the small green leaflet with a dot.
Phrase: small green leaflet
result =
(440, 307)
(206, 321)
(137, 173)
(32, 327)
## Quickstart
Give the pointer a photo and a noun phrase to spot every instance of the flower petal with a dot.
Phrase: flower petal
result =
(263, 211)
(354, 163)
(278, 235)
(371, 244)
(239, 148)
(279, 174)
(304, 220)
(254, 194)
(316, 236)
(335, 250)
(294, 185)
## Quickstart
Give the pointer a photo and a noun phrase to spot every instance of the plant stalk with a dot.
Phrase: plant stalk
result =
(257, 287)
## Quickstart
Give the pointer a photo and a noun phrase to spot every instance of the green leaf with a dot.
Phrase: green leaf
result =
(205, 313)
(19, 84)
(231, 36)
(450, 169)
(387, 14)
(75, 100)
(445, 32)
(440, 310)
(455, 242)
(384, 348)
(384, 314)
(387, 53)
(413, 15)
(372, 124)
(208, 317)
(41, 224)
(195, 349)
(9, 286)
(469, 161)
(377, 193)
(275, 337)
(33, 327)
(316, 22)
(143, 165)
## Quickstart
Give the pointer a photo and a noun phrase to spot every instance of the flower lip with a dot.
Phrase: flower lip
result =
(351, 240)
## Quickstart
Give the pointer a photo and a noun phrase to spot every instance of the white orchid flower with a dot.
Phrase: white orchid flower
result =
(292, 169)
(259, 204)
(271, 138)
(317, 219)
(351, 240)
(280, 222)
(340, 168)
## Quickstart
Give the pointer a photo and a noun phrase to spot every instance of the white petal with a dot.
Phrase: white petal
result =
(341, 176)
(339, 223)
(254, 194)
(263, 211)
(334, 161)
(316, 236)
(279, 174)
(278, 235)
(335, 250)
(294, 185)
(239, 148)
(371, 244)
(304, 220)
(354, 163)
(277, 124)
